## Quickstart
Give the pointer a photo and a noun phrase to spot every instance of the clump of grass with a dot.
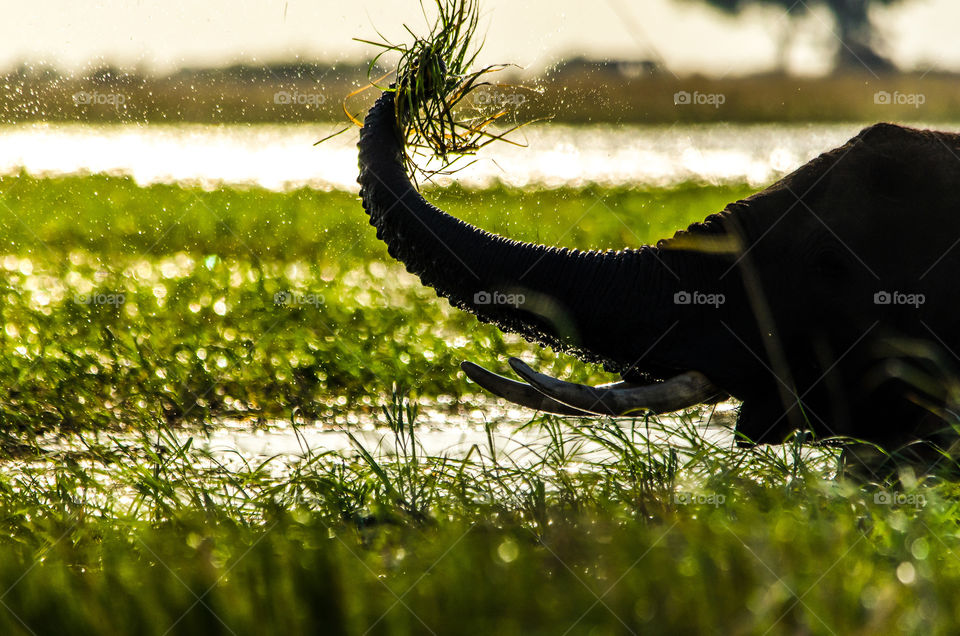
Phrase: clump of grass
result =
(433, 81)
(154, 534)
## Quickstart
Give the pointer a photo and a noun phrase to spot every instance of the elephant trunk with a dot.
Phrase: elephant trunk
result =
(586, 303)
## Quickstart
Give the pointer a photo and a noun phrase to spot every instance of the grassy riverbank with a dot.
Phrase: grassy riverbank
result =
(135, 319)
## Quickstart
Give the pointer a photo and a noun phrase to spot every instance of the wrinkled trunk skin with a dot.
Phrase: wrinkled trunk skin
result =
(606, 307)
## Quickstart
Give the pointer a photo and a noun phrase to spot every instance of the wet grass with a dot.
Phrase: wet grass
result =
(132, 319)
(121, 303)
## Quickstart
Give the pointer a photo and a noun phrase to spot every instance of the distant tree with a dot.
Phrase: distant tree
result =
(857, 42)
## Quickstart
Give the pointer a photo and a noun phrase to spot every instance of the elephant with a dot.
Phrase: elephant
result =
(824, 303)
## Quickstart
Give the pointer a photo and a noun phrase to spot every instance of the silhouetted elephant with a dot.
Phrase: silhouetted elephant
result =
(825, 302)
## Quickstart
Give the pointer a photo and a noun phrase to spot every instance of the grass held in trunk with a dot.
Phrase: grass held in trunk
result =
(432, 85)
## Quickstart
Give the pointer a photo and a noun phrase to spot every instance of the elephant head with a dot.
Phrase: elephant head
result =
(824, 302)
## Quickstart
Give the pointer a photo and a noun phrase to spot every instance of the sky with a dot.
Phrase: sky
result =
(160, 35)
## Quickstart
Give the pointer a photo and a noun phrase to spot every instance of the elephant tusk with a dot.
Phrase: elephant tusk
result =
(687, 389)
(517, 392)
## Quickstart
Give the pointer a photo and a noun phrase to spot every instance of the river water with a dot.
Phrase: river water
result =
(283, 156)
(445, 433)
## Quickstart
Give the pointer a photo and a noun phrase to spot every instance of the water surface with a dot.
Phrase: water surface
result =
(283, 156)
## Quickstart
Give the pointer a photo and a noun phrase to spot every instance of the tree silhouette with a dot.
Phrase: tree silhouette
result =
(857, 42)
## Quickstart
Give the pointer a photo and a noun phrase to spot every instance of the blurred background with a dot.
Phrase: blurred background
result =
(610, 61)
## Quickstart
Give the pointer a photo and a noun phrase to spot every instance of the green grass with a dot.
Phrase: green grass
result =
(199, 333)
(116, 521)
